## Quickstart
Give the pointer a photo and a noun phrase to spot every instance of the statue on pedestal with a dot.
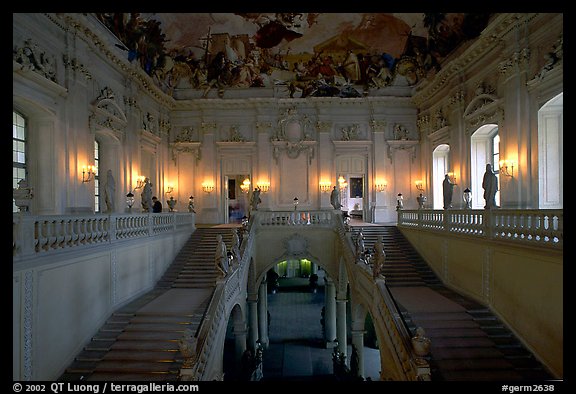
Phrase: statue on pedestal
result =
(23, 196)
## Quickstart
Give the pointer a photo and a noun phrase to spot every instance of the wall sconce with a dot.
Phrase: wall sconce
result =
(381, 186)
(264, 187)
(169, 189)
(505, 165)
(88, 173)
(130, 200)
(245, 186)
(342, 182)
(208, 187)
(140, 182)
(419, 186)
(452, 178)
(325, 186)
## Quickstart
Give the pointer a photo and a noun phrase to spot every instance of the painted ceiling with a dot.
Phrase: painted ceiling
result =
(255, 49)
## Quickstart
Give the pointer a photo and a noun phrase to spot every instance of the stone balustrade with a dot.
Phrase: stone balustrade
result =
(541, 227)
(38, 235)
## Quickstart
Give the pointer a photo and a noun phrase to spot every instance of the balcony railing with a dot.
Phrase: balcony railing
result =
(542, 227)
(38, 235)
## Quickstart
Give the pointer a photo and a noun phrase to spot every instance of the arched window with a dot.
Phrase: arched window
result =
(440, 167)
(97, 176)
(485, 149)
(18, 151)
(550, 156)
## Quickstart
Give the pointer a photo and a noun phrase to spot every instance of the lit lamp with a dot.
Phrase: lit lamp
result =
(467, 197)
(399, 202)
(245, 186)
(419, 186)
(504, 165)
(169, 189)
(264, 187)
(208, 187)
(140, 182)
(325, 186)
(88, 173)
(381, 186)
(452, 178)
(342, 182)
(295, 203)
(130, 201)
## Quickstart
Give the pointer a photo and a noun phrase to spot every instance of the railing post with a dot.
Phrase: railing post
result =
(112, 228)
(488, 223)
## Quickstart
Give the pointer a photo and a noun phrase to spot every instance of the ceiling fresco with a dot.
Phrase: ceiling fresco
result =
(311, 54)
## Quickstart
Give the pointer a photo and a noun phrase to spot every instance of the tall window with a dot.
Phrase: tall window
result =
(96, 177)
(18, 151)
(550, 154)
(485, 149)
(439, 169)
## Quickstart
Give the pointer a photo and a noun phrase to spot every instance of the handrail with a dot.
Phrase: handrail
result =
(541, 227)
(34, 236)
(226, 288)
(413, 366)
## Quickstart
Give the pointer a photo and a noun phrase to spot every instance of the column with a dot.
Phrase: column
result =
(263, 314)
(240, 344)
(341, 325)
(253, 320)
(358, 343)
(329, 313)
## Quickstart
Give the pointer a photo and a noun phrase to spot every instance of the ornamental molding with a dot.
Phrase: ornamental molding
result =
(186, 147)
(488, 40)
(31, 58)
(398, 145)
(107, 114)
(484, 108)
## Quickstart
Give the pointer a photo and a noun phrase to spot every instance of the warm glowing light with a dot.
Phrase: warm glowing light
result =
(419, 185)
(381, 185)
(88, 173)
(507, 167)
(264, 186)
(245, 186)
(342, 182)
(208, 187)
(169, 188)
(325, 186)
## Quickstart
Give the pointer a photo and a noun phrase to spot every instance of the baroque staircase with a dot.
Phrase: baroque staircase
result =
(139, 342)
(468, 342)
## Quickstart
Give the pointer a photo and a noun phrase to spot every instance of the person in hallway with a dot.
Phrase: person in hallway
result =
(156, 205)
(490, 186)
(448, 190)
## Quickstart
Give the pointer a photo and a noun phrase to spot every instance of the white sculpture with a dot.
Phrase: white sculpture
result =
(23, 196)
(221, 256)
(147, 196)
(109, 192)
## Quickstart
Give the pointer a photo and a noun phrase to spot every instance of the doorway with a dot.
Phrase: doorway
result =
(236, 200)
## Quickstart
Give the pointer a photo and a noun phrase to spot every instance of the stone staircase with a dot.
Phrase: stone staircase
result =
(468, 343)
(139, 342)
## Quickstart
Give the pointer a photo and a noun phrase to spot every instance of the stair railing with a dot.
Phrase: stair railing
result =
(411, 366)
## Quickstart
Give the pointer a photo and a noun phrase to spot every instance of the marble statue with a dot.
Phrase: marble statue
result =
(109, 192)
(360, 248)
(490, 186)
(378, 258)
(255, 199)
(221, 256)
(23, 196)
(448, 191)
(335, 198)
(147, 196)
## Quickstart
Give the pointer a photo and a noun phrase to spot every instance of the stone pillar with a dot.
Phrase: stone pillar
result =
(253, 321)
(240, 344)
(263, 314)
(358, 343)
(341, 326)
(330, 313)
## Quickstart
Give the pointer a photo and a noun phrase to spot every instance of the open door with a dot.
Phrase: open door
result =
(236, 197)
